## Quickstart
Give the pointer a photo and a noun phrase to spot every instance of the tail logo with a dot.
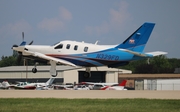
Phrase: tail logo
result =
(131, 41)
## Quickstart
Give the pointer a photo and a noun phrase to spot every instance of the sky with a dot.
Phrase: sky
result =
(108, 21)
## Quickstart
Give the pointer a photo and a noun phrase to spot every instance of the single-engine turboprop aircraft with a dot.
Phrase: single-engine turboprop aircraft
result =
(91, 55)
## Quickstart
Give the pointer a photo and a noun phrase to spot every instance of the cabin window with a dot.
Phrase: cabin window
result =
(85, 49)
(75, 47)
(68, 46)
(60, 46)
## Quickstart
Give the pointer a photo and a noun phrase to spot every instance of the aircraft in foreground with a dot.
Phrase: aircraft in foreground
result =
(116, 87)
(81, 54)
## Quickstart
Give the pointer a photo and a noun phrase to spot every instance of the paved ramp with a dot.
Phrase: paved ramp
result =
(89, 94)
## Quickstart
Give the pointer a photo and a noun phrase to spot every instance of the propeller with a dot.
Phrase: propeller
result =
(19, 54)
(31, 42)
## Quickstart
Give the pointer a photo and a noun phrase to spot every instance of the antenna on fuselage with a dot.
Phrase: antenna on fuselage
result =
(96, 42)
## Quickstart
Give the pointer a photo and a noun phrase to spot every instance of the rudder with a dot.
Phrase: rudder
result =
(137, 41)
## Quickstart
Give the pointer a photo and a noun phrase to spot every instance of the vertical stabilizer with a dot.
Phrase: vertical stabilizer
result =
(137, 41)
(50, 81)
(123, 83)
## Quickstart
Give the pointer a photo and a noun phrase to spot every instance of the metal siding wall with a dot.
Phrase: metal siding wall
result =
(151, 84)
(111, 77)
(70, 76)
(139, 84)
(168, 84)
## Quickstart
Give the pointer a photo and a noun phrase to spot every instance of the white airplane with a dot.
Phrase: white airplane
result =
(81, 54)
(45, 86)
(5, 85)
(116, 87)
(97, 86)
(25, 85)
(81, 87)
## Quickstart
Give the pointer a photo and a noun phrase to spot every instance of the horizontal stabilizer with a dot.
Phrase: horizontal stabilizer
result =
(136, 53)
(157, 53)
(147, 55)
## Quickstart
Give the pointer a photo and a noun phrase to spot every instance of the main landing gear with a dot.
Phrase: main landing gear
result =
(34, 70)
(87, 73)
(53, 72)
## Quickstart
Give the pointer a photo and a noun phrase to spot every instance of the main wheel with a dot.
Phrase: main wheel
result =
(54, 75)
(87, 75)
(34, 70)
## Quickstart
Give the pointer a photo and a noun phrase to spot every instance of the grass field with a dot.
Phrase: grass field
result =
(87, 105)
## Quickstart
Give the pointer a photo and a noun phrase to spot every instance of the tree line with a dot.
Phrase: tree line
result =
(159, 64)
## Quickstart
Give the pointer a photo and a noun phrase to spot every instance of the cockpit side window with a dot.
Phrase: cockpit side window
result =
(60, 46)
(85, 49)
(68, 46)
(75, 47)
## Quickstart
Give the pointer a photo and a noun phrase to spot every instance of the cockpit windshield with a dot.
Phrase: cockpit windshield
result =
(55, 43)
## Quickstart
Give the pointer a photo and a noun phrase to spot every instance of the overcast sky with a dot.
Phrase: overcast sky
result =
(108, 21)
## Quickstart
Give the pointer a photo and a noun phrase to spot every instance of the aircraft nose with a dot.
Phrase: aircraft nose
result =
(14, 46)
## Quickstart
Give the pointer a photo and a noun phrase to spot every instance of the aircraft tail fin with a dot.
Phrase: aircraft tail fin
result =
(5, 84)
(137, 40)
(123, 83)
(50, 81)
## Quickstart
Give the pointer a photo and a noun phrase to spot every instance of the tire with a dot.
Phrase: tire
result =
(54, 75)
(34, 70)
(87, 75)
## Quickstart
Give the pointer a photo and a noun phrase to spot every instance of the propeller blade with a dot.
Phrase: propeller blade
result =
(31, 42)
(23, 36)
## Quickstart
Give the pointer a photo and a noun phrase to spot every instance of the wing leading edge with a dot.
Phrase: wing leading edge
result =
(40, 55)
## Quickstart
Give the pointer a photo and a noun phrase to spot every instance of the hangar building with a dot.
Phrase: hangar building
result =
(66, 74)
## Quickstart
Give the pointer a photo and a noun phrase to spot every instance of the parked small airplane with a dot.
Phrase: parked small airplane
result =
(25, 85)
(45, 86)
(5, 85)
(116, 87)
(97, 86)
(90, 55)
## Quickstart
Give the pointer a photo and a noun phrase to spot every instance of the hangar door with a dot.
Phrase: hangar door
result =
(96, 76)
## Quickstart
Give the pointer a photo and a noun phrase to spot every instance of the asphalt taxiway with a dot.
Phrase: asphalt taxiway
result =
(92, 94)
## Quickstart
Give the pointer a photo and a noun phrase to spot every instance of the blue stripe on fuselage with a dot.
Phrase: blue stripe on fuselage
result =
(101, 58)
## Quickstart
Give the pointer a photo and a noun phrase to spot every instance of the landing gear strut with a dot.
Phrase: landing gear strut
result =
(53, 72)
(87, 74)
(34, 70)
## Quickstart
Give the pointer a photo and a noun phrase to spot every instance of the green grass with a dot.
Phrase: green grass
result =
(87, 105)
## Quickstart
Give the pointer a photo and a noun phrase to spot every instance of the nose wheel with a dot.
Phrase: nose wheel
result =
(34, 70)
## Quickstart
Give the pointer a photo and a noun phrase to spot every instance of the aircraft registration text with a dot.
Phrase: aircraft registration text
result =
(107, 57)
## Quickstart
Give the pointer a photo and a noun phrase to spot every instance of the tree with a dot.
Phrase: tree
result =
(8, 61)
(159, 64)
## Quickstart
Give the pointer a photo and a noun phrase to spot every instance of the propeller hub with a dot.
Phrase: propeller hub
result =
(14, 46)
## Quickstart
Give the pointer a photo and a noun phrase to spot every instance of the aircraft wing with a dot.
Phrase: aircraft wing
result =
(43, 56)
